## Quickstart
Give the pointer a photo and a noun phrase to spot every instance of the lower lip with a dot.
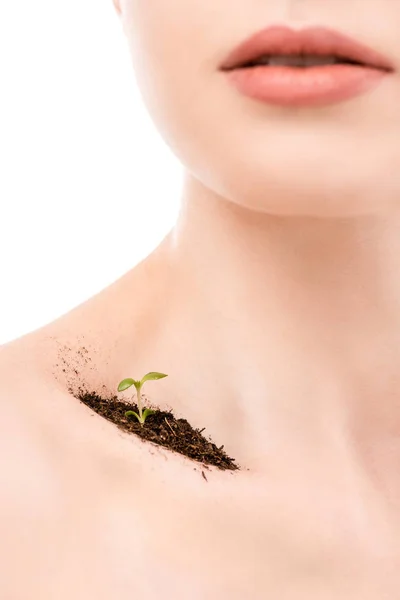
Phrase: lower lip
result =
(307, 86)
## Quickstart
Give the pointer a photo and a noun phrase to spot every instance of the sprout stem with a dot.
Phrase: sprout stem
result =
(139, 402)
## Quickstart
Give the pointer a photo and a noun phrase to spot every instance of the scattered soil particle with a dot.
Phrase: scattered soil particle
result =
(161, 427)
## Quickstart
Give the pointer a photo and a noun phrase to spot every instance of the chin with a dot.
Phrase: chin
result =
(321, 192)
(345, 177)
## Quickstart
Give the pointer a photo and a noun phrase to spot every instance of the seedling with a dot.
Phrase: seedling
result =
(126, 383)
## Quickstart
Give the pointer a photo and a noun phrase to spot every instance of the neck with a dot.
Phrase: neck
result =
(292, 318)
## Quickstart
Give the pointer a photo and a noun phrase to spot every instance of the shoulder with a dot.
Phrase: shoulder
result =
(23, 387)
(29, 398)
(22, 364)
(41, 418)
(41, 427)
(22, 451)
(15, 368)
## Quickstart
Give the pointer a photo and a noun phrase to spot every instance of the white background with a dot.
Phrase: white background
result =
(79, 200)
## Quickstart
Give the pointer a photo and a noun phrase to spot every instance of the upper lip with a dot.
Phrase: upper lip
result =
(311, 40)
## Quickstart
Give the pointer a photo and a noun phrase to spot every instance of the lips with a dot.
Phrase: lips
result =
(317, 41)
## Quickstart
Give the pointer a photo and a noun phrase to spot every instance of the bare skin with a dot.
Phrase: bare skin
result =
(273, 306)
(307, 516)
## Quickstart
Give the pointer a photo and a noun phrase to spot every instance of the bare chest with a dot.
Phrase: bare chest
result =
(72, 530)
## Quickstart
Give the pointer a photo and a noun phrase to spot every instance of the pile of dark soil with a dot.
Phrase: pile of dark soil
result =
(162, 428)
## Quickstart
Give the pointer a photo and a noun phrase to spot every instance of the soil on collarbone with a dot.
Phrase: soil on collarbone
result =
(75, 367)
(161, 428)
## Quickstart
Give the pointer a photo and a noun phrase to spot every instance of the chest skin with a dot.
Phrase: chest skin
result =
(90, 512)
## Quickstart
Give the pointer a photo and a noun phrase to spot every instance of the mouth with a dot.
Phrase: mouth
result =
(307, 48)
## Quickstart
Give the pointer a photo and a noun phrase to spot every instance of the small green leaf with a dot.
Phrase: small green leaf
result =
(125, 384)
(152, 375)
(131, 413)
(147, 412)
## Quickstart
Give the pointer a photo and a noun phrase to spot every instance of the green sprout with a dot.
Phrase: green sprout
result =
(126, 383)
